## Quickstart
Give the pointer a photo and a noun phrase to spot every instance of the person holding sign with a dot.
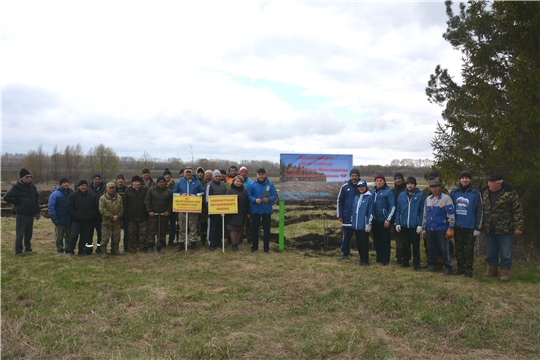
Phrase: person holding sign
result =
(236, 222)
(261, 194)
(215, 187)
(189, 185)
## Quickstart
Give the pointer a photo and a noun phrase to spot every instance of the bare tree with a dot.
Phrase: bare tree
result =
(73, 161)
(56, 163)
(103, 160)
(145, 161)
(36, 161)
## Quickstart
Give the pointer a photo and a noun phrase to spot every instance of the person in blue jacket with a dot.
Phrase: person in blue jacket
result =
(345, 199)
(261, 194)
(409, 216)
(384, 206)
(188, 185)
(362, 217)
(59, 215)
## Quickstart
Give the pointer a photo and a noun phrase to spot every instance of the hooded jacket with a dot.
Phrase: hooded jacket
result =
(258, 190)
(57, 206)
(384, 203)
(345, 199)
(158, 200)
(468, 204)
(362, 211)
(110, 206)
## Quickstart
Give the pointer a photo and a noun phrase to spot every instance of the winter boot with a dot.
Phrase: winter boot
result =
(491, 271)
(104, 252)
(505, 274)
(399, 256)
(447, 271)
(115, 249)
(431, 268)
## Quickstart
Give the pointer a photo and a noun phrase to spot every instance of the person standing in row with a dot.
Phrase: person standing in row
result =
(24, 196)
(247, 183)
(96, 189)
(82, 207)
(136, 215)
(236, 222)
(173, 218)
(362, 217)
(468, 204)
(112, 210)
(399, 187)
(158, 202)
(215, 224)
(121, 191)
(261, 194)
(384, 206)
(409, 217)
(59, 216)
(345, 199)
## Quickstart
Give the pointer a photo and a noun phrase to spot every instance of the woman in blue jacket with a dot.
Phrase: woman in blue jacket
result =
(362, 216)
(384, 206)
(409, 216)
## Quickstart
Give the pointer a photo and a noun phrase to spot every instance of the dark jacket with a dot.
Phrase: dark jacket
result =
(57, 207)
(24, 198)
(468, 207)
(345, 200)
(384, 203)
(258, 190)
(243, 206)
(82, 208)
(410, 210)
(134, 208)
(158, 200)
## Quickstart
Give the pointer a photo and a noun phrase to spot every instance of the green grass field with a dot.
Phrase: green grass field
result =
(209, 305)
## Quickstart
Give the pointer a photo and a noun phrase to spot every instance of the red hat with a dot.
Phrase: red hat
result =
(379, 176)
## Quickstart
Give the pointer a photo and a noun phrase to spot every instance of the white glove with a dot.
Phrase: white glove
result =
(398, 228)
(419, 230)
(476, 233)
(368, 228)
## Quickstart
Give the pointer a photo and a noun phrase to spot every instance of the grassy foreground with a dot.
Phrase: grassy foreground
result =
(287, 305)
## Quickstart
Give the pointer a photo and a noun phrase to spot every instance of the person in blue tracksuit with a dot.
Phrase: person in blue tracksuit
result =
(345, 199)
(409, 216)
(261, 194)
(384, 201)
(59, 215)
(362, 217)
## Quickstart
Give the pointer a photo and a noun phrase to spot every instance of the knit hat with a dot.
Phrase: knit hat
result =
(111, 185)
(411, 179)
(167, 172)
(243, 168)
(181, 171)
(96, 175)
(83, 182)
(465, 174)
(432, 175)
(136, 178)
(216, 173)
(208, 172)
(354, 171)
(159, 178)
(63, 180)
(23, 173)
(146, 171)
(398, 175)
(379, 176)
(120, 176)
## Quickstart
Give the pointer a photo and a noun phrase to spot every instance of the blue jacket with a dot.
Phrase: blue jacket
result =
(345, 199)
(384, 203)
(468, 207)
(57, 207)
(194, 187)
(362, 211)
(410, 211)
(257, 191)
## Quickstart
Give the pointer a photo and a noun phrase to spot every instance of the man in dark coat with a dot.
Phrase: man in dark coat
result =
(23, 195)
(82, 207)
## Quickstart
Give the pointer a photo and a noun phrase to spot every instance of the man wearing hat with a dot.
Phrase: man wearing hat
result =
(189, 185)
(24, 196)
(59, 216)
(503, 218)
(135, 215)
(438, 224)
(427, 192)
(261, 194)
(384, 207)
(399, 187)
(345, 200)
(247, 182)
(215, 187)
(158, 202)
(468, 204)
(96, 189)
(146, 179)
(121, 191)
(173, 218)
(82, 207)
(112, 210)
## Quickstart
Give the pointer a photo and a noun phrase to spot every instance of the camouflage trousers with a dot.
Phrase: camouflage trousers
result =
(137, 235)
(153, 223)
(464, 244)
(62, 233)
(110, 231)
(193, 224)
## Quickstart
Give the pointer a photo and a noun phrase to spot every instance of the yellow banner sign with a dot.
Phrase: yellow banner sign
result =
(222, 204)
(184, 203)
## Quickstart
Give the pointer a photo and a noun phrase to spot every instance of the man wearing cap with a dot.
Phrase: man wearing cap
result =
(172, 218)
(468, 207)
(146, 179)
(158, 202)
(82, 207)
(384, 206)
(427, 192)
(409, 216)
(203, 216)
(96, 189)
(121, 191)
(362, 218)
(181, 173)
(59, 216)
(189, 185)
(345, 200)
(24, 196)
(399, 187)
(503, 218)
(136, 215)
(261, 194)
(247, 183)
(215, 187)
(224, 178)
(112, 210)
(438, 225)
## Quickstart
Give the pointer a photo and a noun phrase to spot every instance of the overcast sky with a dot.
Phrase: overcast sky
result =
(235, 80)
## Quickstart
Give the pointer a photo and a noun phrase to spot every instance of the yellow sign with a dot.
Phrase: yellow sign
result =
(189, 204)
(222, 204)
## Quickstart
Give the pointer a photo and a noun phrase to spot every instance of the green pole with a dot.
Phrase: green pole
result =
(281, 225)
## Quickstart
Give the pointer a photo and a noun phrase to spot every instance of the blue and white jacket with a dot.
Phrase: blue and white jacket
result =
(438, 213)
(362, 211)
(469, 208)
(410, 210)
(345, 199)
(57, 206)
(183, 186)
(258, 190)
(384, 202)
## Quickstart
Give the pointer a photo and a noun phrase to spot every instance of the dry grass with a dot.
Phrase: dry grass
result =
(204, 305)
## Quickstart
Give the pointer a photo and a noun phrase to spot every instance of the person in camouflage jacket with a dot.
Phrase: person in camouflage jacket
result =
(158, 203)
(112, 210)
(503, 218)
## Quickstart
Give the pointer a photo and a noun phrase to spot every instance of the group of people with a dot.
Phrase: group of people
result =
(144, 210)
(434, 214)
